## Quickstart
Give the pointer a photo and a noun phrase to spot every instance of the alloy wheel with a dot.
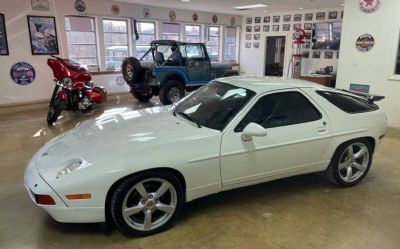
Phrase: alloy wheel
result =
(353, 162)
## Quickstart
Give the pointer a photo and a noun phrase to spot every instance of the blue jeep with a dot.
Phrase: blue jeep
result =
(169, 68)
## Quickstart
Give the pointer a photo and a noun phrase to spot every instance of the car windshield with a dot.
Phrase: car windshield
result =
(213, 105)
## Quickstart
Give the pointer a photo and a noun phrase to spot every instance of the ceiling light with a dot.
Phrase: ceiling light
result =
(185, 1)
(247, 7)
(265, 11)
(301, 8)
(342, 4)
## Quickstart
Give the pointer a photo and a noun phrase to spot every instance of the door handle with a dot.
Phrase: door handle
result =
(322, 128)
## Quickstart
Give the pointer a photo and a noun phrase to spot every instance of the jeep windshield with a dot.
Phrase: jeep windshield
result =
(213, 105)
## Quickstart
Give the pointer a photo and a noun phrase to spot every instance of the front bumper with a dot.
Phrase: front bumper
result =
(35, 184)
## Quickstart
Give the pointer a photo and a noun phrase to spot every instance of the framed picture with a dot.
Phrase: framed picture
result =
(3, 37)
(341, 14)
(296, 26)
(316, 54)
(306, 54)
(308, 36)
(257, 28)
(297, 18)
(286, 27)
(308, 16)
(287, 18)
(257, 19)
(266, 28)
(247, 45)
(248, 37)
(40, 5)
(307, 26)
(249, 20)
(337, 55)
(267, 19)
(328, 55)
(256, 37)
(256, 45)
(320, 16)
(43, 35)
(275, 28)
(276, 19)
(332, 15)
(249, 28)
(307, 45)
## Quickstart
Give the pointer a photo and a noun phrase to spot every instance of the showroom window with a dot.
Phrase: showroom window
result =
(81, 40)
(280, 109)
(192, 33)
(147, 33)
(230, 44)
(171, 31)
(213, 43)
(115, 41)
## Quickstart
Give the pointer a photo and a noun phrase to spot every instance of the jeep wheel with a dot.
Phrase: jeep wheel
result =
(132, 71)
(141, 96)
(230, 73)
(172, 91)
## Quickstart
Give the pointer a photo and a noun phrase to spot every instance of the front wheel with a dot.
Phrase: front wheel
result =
(350, 163)
(172, 91)
(142, 96)
(54, 112)
(146, 203)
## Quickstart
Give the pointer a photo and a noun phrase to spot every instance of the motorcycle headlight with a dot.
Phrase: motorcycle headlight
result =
(73, 165)
(67, 82)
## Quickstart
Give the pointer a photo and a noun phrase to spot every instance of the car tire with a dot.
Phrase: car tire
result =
(54, 112)
(142, 97)
(172, 91)
(350, 163)
(151, 200)
(132, 70)
(230, 73)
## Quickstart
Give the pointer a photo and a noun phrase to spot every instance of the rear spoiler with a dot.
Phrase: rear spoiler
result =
(370, 97)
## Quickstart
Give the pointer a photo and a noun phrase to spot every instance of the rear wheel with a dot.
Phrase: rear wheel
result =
(54, 112)
(142, 96)
(147, 203)
(172, 91)
(350, 163)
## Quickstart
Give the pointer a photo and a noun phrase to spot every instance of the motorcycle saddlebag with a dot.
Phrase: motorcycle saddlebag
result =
(99, 94)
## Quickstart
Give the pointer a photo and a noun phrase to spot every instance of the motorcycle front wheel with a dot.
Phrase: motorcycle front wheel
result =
(55, 110)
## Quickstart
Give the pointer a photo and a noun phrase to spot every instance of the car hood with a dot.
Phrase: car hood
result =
(121, 134)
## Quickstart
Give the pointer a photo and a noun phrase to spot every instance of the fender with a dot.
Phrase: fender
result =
(164, 73)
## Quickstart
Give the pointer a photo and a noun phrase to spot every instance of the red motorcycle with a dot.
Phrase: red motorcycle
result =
(77, 92)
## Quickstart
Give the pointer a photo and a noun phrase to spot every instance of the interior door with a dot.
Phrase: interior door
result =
(298, 134)
(198, 66)
(275, 55)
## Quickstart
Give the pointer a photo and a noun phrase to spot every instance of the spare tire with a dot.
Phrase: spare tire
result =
(132, 70)
(230, 73)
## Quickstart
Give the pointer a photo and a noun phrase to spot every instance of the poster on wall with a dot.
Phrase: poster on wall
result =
(308, 16)
(257, 19)
(3, 37)
(247, 45)
(328, 55)
(364, 88)
(276, 19)
(257, 28)
(316, 54)
(248, 37)
(296, 26)
(256, 44)
(275, 28)
(320, 16)
(286, 27)
(40, 5)
(306, 54)
(43, 35)
(287, 18)
(266, 28)
(256, 37)
(249, 28)
(297, 18)
(22, 73)
(307, 26)
(249, 20)
(267, 19)
(332, 15)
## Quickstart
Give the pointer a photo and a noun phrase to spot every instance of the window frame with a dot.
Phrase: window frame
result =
(237, 40)
(259, 98)
(96, 37)
(219, 41)
(199, 36)
(134, 39)
(128, 43)
(173, 23)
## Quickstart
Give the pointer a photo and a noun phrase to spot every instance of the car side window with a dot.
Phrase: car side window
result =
(194, 52)
(280, 109)
(348, 103)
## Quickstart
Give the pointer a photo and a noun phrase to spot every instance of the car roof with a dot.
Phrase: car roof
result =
(172, 42)
(265, 84)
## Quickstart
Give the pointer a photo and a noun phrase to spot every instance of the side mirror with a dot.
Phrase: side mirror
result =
(253, 130)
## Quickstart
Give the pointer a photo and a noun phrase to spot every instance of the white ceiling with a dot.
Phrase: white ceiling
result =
(225, 6)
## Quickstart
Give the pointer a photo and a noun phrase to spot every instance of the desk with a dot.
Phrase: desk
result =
(325, 80)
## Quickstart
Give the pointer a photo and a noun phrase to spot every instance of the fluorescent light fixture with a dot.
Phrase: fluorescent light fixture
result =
(185, 1)
(301, 8)
(342, 4)
(265, 11)
(253, 6)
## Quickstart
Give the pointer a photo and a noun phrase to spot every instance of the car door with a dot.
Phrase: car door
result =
(297, 134)
(197, 63)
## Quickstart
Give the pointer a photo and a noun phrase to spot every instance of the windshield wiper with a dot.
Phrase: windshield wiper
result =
(188, 117)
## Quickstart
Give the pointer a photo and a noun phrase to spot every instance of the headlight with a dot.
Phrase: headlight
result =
(73, 165)
(67, 82)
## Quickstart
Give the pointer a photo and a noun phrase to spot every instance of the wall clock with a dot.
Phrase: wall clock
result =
(369, 6)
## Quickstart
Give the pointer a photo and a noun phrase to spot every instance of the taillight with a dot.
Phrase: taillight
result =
(44, 200)
(149, 75)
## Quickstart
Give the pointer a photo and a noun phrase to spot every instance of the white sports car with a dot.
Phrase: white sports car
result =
(137, 168)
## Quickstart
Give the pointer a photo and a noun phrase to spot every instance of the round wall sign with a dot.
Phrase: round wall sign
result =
(80, 6)
(215, 18)
(22, 73)
(369, 6)
(233, 20)
(120, 81)
(365, 42)
(195, 17)
(146, 13)
(299, 35)
(172, 15)
(115, 9)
